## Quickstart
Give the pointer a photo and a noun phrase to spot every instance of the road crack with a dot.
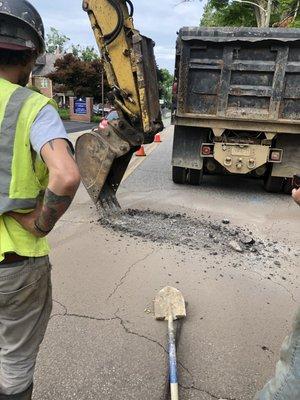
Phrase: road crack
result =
(84, 316)
(191, 387)
(123, 278)
(130, 332)
(206, 392)
(116, 317)
(276, 283)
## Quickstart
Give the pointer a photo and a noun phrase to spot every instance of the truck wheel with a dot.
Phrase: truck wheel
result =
(274, 184)
(288, 186)
(179, 175)
(195, 176)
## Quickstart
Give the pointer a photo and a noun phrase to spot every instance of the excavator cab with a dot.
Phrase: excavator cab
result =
(128, 58)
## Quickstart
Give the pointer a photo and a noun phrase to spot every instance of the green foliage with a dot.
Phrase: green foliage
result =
(165, 83)
(87, 54)
(55, 41)
(64, 113)
(296, 23)
(225, 13)
(96, 119)
(234, 13)
(285, 13)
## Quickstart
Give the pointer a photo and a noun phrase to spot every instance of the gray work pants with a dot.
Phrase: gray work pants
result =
(25, 308)
(286, 383)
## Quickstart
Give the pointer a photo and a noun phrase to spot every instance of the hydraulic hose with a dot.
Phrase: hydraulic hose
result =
(109, 38)
(131, 7)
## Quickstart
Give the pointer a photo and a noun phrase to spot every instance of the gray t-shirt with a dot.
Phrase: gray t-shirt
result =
(47, 126)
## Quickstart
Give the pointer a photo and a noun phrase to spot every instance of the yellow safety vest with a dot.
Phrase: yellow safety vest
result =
(23, 175)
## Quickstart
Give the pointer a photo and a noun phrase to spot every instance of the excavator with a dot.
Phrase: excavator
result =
(236, 103)
(128, 59)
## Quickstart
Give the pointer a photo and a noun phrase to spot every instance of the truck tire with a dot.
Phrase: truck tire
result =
(288, 186)
(195, 176)
(179, 175)
(274, 184)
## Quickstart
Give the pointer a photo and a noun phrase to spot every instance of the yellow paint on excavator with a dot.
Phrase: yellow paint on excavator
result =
(128, 59)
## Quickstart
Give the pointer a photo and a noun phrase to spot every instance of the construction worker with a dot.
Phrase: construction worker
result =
(286, 383)
(38, 181)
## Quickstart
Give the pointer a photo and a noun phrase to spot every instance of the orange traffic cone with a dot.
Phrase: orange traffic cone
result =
(157, 138)
(141, 152)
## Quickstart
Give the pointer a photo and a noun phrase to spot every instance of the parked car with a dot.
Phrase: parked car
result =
(98, 110)
(112, 115)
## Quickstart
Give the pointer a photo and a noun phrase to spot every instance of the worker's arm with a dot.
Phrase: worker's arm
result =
(296, 196)
(64, 180)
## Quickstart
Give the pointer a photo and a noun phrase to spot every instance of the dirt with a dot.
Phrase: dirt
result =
(218, 238)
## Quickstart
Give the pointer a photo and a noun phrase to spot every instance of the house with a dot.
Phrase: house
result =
(44, 66)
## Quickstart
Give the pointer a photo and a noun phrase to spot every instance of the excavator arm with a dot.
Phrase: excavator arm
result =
(128, 59)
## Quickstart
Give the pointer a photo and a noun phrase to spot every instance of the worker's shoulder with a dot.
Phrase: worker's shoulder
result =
(36, 96)
(40, 101)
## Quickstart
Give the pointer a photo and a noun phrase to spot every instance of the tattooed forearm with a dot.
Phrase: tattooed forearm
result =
(70, 152)
(51, 144)
(54, 206)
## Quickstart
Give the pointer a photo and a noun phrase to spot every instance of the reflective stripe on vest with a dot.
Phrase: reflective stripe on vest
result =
(7, 140)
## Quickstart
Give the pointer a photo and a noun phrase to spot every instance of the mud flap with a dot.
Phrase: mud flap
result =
(187, 147)
(291, 156)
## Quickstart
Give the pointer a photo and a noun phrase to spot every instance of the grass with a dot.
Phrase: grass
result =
(96, 119)
(64, 113)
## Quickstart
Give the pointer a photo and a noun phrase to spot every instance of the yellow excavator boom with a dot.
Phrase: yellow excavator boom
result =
(128, 59)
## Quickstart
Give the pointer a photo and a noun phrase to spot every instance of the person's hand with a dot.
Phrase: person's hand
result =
(296, 196)
(27, 221)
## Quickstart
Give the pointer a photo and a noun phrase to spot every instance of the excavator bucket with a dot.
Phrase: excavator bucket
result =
(102, 158)
(128, 59)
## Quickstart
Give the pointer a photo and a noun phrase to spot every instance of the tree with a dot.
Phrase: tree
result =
(236, 14)
(261, 13)
(81, 77)
(56, 41)
(287, 14)
(85, 53)
(165, 83)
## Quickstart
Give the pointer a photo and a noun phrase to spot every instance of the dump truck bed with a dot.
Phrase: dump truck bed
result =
(247, 76)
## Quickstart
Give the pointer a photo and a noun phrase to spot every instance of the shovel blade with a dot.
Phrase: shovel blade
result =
(169, 301)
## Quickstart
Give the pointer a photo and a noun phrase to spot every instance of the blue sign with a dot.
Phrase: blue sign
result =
(80, 106)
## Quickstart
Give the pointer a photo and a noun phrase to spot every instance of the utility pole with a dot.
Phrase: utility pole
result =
(102, 90)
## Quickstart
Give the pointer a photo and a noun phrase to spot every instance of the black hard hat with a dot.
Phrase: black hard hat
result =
(21, 26)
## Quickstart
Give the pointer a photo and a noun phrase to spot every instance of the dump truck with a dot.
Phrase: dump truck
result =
(236, 105)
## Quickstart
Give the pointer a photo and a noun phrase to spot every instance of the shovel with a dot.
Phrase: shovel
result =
(169, 305)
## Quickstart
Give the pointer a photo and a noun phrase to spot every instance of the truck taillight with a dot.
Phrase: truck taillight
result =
(207, 150)
(276, 155)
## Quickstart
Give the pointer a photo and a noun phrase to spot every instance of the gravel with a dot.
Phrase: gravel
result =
(235, 246)
(219, 238)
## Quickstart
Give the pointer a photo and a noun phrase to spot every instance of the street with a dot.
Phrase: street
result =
(71, 126)
(230, 247)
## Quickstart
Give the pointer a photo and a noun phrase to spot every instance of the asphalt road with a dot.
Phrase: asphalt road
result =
(72, 127)
(103, 342)
(75, 127)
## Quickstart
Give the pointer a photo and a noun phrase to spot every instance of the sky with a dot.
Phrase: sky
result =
(158, 19)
